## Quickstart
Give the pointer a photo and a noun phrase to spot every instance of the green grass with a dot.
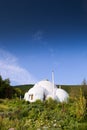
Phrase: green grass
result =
(45, 115)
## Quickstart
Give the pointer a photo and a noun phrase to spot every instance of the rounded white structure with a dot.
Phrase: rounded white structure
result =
(62, 95)
(47, 85)
(45, 89)
(36, 93)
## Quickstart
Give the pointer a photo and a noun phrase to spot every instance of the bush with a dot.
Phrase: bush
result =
(48, 115)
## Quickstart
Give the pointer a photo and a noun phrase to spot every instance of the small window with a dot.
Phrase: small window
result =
(31, 97)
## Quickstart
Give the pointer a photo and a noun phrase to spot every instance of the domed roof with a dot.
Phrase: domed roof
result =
(47, 85)
(62, 95)
(36, 93)
(36, 90)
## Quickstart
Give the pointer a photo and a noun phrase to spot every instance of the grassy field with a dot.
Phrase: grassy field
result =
(47, 115)
(16, 114)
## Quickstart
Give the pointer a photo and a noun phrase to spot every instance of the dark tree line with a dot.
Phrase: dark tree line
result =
(7, 91)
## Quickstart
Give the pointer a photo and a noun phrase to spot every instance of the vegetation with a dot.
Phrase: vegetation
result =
(22, 115)
(17, 114)
(24, 88)
(7, 91)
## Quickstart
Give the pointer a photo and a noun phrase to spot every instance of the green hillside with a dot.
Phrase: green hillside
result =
(25, 87)
(74, 90)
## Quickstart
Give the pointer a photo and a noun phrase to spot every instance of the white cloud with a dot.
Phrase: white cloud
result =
(9, 68)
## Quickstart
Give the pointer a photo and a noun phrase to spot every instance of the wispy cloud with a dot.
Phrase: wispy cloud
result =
(38, 35)
(9, 68)
(38, 38)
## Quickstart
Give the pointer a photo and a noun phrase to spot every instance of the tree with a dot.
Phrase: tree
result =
(7, 91)
(84, 88)
(0, 80)
(18, 92)
(84, 82)
(5, 88)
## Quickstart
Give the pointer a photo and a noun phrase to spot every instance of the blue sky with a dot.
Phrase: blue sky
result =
(39, 36)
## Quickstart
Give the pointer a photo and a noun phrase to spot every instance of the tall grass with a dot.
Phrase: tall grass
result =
(46, 115)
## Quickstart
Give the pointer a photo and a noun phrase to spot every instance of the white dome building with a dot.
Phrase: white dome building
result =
(45, 89)
(41, 90)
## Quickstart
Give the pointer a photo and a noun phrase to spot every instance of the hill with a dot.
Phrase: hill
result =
(25, 87)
